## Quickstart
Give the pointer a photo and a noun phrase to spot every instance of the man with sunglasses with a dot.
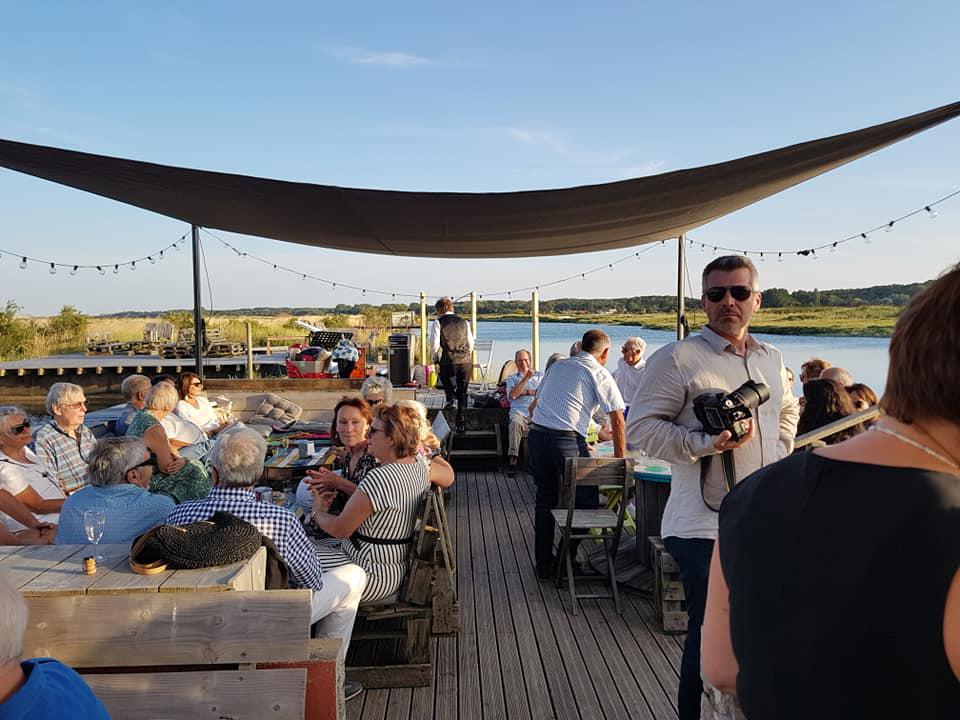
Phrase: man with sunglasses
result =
(662, 423)
(120, 469)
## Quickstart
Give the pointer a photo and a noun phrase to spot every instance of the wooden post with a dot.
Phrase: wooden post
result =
(473, 327)
(249, 351)
(197, 318)
(681, 271)
(423, 329)
(535, 340)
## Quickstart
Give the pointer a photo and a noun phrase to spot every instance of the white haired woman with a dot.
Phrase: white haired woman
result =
(179, 478)
(23, 474)
(630, 367)
(376, 390)
(65, 443)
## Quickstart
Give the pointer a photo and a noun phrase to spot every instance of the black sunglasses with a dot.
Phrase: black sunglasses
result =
(17, 429)
(149, 462)
(737, 292)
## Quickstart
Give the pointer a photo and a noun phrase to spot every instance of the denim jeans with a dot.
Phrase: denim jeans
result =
(548, 451)
(693, 558)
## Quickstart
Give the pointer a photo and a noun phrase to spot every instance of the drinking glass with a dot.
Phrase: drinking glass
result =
(94, 522)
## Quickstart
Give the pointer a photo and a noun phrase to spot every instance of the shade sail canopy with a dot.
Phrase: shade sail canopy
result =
(461, 225)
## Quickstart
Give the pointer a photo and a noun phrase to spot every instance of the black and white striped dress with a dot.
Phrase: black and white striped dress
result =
(395, 491)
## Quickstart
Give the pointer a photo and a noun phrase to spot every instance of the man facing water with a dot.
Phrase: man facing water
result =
(662, 423)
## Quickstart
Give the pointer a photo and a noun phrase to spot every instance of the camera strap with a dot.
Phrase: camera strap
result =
(729, 475)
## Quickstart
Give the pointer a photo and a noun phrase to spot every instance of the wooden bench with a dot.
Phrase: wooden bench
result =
(426, 605)
(668, 597)
(184, 643)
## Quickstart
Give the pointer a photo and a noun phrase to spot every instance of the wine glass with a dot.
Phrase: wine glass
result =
(94, 522)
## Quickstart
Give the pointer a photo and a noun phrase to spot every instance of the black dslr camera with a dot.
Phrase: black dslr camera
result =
(718, 412)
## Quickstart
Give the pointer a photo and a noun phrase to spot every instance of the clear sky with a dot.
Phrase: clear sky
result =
(490, 96)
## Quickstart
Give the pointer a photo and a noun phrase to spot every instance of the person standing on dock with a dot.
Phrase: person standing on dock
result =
(568, 397)
(452, 339)
(663, 424)
(65, 443)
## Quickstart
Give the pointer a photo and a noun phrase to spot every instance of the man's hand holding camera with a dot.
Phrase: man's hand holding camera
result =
(725, 440)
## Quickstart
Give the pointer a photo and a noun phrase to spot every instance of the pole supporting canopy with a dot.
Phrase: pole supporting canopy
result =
(461, 225)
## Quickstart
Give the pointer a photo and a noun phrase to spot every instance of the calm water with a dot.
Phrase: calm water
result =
(866, 358)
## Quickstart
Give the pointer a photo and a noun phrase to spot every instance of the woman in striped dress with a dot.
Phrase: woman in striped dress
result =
(375, 527)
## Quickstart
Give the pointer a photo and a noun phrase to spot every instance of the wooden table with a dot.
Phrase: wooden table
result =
(57, 570)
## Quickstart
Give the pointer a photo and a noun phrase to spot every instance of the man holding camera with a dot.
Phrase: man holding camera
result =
(702, 406)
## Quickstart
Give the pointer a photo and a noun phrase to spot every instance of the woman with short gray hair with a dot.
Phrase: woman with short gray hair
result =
(177, 477)
(630, 367)
(376, 390)
(120, 474)
(64, 444)
(23, 474)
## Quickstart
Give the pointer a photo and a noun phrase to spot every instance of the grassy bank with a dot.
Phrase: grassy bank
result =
(863, 321)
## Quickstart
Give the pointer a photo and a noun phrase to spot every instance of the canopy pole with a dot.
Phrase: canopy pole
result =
(423, 329)
(197, 317)
(473, 327)
(535, 330)
(681, 300)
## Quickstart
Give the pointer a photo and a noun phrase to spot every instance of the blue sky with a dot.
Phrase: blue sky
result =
(491, 96)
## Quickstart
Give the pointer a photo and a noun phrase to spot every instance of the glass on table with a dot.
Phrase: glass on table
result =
(94, 523)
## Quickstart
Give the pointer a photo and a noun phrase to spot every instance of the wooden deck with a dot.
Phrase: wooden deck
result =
(520, 653)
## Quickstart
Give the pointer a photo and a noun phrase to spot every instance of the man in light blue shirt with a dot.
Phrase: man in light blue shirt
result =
(521, 389)
(120, 471)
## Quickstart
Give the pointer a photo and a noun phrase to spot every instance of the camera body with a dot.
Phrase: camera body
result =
(731, 411)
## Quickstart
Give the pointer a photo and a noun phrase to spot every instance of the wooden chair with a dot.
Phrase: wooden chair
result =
(580, 524)
(426, 605)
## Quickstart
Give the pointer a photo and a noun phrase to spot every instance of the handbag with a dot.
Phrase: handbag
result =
(223, 539)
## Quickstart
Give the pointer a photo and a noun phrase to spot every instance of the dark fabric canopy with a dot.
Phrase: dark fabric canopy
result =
(461, 225)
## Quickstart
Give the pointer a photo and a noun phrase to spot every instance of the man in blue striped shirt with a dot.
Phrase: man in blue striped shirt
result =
(570, 394)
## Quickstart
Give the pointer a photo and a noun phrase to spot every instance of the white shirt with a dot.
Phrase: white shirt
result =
(627, 377)
(204, 416)
(15, 477)
(573, 390)
(434, 336)
(662, 423)
(182, 430)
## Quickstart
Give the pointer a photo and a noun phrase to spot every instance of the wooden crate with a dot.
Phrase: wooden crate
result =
(668, 598)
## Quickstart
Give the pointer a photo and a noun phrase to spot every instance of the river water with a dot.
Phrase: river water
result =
(865, 357)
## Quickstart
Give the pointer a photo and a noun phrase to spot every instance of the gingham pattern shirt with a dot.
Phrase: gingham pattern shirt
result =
(277, 523)
(572, 391)
(65, 456)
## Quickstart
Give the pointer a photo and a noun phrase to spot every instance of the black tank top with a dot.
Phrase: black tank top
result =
(838, 576)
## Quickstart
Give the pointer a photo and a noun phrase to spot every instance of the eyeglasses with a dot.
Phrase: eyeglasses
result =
(149, 462)
(737, 292)
(17, 429)
(374, 401)
(76, 405)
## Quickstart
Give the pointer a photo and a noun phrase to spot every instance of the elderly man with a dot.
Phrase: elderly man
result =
(839, 375)
(65, 443)
(521, 389)
(662, 423)
(120, 470)
(236, 464)
(134, 389)
(452, 340)
(41, 687)
(570, 394)
(629, 367)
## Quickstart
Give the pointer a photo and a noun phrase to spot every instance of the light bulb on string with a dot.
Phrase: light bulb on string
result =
(116, 269)
(931, 213)
(274, 267)
(779, 257)
(762, 258)
(76, 268)
(23, 263)
(833, 248)
(101, 270)
(133, 264)
(813, 255)
(152, 261)
(866, 239)
(889, 227)
(161, 254)
(53, 269)
(176, 246)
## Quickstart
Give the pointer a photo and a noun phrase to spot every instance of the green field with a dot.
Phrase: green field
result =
(864, 321)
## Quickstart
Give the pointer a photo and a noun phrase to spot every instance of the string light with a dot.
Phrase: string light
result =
(75, 268)
(116, 269)
(23, 263)
(101, 270)
(889, 227)
(53, 269)
(931, 213)
(133, 265)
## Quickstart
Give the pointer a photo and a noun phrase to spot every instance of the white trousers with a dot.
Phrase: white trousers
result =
(335, 605)
(519, 425)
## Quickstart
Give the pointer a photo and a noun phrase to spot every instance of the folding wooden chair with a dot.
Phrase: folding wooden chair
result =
(579, 524)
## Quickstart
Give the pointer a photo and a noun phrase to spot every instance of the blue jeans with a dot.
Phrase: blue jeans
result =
(548, 451)
(693, 557)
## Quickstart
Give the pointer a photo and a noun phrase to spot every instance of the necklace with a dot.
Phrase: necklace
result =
(918, 445)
